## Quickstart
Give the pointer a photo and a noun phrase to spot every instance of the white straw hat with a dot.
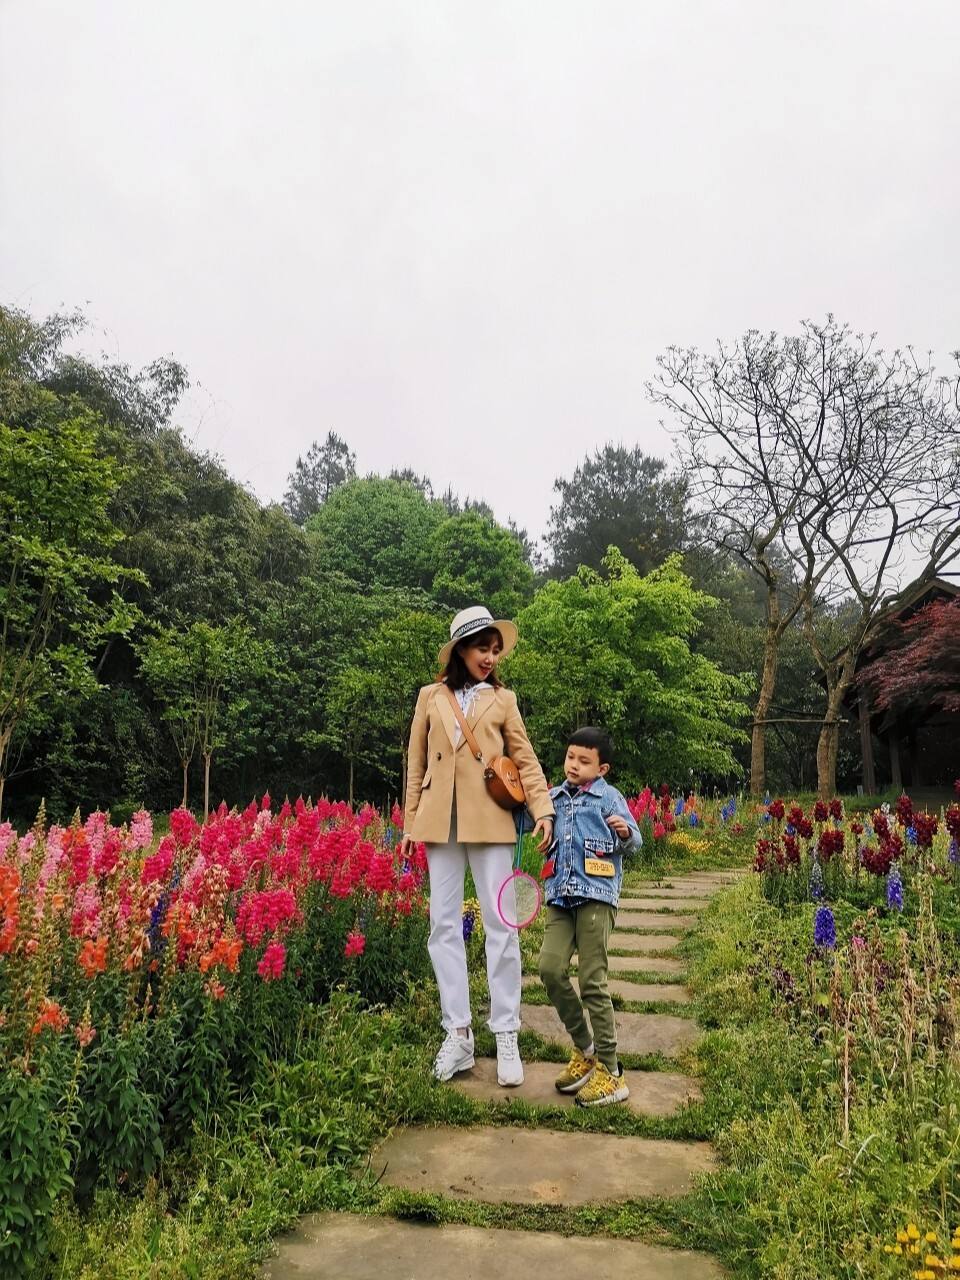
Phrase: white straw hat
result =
(469, 621)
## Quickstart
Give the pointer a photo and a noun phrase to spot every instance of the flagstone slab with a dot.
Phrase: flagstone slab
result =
(620, 941)
(344, 1246)
(652, 1093)
(664, 904)
(652, 920)
(660, 992)
(647, 964)
(538, 1166)
(641, 964)
(664, 1033)
(671, 893)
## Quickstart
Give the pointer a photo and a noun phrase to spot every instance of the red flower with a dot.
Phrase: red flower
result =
(356, 942)
(271, 965)
(836, 809)
(830, 842)
(904, 810)
(776, 810)
(820, 812)
(925, 825)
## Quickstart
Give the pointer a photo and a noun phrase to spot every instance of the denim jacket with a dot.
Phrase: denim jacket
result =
(580, 831)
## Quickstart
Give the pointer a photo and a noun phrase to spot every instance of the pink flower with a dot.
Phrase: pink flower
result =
(141, 829)
(659, 830)
(271, 964)
(356, 942)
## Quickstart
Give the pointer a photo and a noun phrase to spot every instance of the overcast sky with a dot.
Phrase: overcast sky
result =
(459, 234)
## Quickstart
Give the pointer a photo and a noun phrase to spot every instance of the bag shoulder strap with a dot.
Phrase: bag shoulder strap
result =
(467, 731)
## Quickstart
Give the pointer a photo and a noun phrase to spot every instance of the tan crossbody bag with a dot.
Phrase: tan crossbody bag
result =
(499, 773)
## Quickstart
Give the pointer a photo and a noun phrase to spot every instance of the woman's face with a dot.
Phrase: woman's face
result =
(481, 657)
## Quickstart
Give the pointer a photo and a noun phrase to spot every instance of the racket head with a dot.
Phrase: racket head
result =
(519, 900)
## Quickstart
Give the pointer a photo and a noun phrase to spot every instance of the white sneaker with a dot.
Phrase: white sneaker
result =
(456, 1054)
(509, 1066)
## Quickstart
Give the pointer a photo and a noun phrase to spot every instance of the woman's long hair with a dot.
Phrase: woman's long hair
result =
(455, 674)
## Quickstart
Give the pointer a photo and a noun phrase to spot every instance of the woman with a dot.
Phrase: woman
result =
(449, 808)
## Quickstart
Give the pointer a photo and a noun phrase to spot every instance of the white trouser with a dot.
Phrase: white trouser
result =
(490, 865)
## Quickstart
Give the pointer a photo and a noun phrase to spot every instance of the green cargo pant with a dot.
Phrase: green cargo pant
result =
(585, 930)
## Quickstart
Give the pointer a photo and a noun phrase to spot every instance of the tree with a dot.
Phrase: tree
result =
(617, 497)
(918, 670)
(166, 669)
(397, 658)
(821, 460)
(378, 531)
(57, 577)
(613, 648)
(314, 478)
(406, 475)
(479, 562)
(192, 674)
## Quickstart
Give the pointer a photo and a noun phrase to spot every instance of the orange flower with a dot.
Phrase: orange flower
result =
(50, 1015)
(93, 957)
(216, 990)
(225, 952)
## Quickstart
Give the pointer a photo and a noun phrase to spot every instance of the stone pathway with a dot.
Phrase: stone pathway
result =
(526, 1164)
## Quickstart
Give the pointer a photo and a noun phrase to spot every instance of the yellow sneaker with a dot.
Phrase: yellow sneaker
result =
(576, 1073)
(603, 1089)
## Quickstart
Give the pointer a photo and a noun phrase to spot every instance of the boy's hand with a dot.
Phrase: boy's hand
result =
(543, 829)
(619, 827)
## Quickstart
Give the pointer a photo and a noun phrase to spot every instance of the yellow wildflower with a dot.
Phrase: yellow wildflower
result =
(913, 1231)
(931, 1260)
(931, 1237)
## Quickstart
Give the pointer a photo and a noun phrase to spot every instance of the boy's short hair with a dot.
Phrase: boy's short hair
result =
(589, 736)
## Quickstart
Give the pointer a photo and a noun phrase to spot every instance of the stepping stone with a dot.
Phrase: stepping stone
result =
(642, 942)
(664, 1033)
(663, 992)
(538, 1166)
(681, 892)
(663, 904)
(646, 964)
(332, 1246)
(652, 1093)
(651, 920)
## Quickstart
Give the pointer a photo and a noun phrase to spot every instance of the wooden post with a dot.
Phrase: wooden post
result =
(866, 746)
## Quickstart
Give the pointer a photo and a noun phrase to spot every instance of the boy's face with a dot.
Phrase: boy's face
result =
(582, 766)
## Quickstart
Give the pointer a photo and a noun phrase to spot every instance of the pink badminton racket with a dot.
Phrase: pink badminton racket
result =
(520, 896)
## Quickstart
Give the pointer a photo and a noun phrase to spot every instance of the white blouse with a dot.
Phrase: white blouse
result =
(466, 697)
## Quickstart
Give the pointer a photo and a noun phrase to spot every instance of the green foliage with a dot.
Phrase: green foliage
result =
(34, 1165)
(378, 532)
(479, 562)
(614, 649)
(618, 497)
(57, 578)
(314, 478)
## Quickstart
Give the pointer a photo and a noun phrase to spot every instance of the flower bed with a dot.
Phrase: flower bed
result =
(142, 983)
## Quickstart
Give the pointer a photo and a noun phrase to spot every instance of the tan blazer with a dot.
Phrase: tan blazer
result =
(435, 771)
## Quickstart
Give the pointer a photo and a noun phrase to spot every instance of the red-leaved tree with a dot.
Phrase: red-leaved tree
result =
(921, 667)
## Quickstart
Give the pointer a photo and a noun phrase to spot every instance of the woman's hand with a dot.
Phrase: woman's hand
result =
(406, 844)
(545, 830)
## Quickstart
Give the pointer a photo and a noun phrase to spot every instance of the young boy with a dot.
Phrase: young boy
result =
(593, 829)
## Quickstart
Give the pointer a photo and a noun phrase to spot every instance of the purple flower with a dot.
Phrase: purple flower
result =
(469, 922)
(693, 819)
(824, 929)
(953, 852)
(894, 888)
(911, 835)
